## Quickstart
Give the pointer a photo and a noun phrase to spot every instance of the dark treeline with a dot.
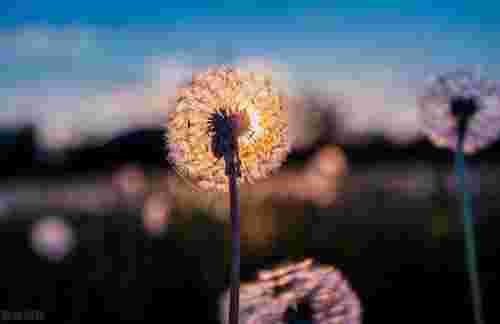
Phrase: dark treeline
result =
(22, 157)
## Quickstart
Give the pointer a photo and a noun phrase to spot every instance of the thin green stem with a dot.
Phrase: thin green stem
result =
(470, 240)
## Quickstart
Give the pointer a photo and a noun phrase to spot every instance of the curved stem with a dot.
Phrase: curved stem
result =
(470, 240)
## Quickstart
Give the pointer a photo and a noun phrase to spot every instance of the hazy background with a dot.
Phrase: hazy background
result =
(94, 224)
(93, 67)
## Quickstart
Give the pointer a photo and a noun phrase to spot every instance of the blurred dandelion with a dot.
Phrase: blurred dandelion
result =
(324, 175)
(156, 214)
(461, 111)
(52, 238)
(228, 124)
(451, 99)
(297, 291)
(129, 181)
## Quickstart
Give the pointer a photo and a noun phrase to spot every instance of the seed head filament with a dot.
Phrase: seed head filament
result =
(463, 109)
(224, 142)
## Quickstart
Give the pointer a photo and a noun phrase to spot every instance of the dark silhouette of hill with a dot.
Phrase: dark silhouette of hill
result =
(21, 157)
(17, 150)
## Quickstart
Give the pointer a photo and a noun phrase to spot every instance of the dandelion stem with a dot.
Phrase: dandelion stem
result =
(470, 241)
(235, 239)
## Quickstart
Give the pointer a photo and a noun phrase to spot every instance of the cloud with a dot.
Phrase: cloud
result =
(103, 114)
(80, 83)
(379, 101)
(51, 42)
(69, 83)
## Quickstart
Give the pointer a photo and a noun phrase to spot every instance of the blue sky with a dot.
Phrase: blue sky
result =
(123, 13)
(81, 48)
(452, 31)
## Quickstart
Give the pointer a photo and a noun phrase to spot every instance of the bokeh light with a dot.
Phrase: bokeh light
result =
(52, 238)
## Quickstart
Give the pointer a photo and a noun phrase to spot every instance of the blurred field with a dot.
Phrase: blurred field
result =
(146, 246)
(96, 225)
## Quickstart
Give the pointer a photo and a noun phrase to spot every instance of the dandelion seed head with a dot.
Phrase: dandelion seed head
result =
(322, 288)
(253, 108)
(463, 92)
